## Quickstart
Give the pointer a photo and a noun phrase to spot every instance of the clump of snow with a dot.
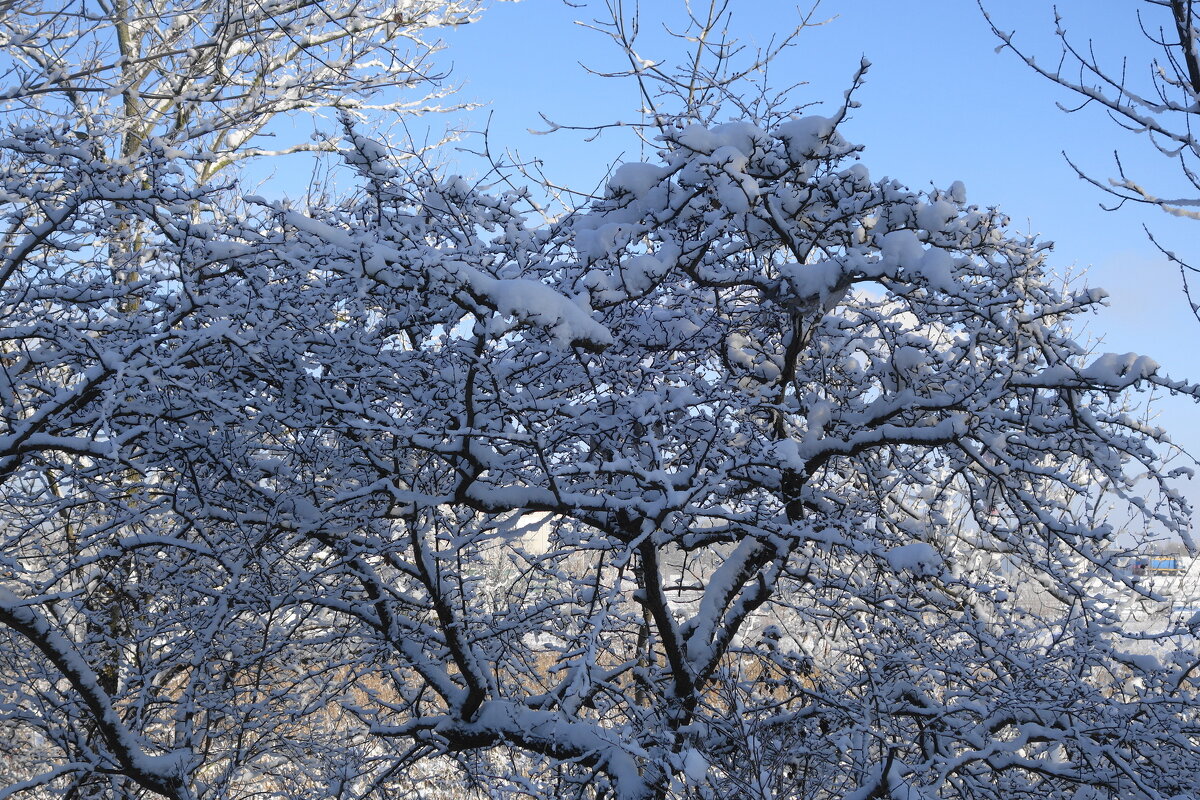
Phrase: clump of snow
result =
(918, 558)
(907, 358)
(815, 280)
(901, 248)
(742, 136)
(601, 241)
(695, 766)
(640, 273)
(739, 136)
(936, 215)
(804, 137)
(937, 268)
(635, 178)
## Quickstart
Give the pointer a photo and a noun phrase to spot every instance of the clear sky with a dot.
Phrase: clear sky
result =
(940, 104)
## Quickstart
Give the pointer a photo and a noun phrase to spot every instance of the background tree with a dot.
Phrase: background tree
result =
(130, 82)
(209, 76)
(1158, 99)
(201, 81)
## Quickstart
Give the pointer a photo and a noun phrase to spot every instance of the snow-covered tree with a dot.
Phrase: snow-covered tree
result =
(711, 488)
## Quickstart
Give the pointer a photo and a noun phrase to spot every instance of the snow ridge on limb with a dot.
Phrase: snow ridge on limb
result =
(164, 774)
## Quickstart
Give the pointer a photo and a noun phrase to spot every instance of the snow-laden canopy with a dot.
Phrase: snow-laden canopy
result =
(789, 436)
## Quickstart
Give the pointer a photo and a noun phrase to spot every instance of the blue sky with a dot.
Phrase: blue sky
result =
(939, 105)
